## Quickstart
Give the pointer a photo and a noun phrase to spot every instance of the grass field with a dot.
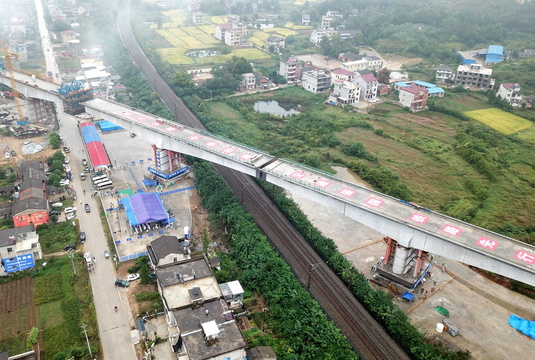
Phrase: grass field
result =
(499, 120)
(527, 135)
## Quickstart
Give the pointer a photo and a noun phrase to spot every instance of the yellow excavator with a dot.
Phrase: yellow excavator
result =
(8, 63)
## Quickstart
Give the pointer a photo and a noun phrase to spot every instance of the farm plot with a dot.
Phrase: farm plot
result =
(176, 16)
(250, 54)
(281, 31)
(218, 20)
(17, 314)
(16, 295)
(209, 29)
(175, 56)
(499, 120)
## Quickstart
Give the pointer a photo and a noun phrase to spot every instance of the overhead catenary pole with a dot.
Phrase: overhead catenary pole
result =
(84, 326)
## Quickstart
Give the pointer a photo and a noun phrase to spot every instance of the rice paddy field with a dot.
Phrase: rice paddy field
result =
(183, 38)
(499, 120)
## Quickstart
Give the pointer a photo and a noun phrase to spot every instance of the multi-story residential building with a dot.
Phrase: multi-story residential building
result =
(474, 75)
(444, 74)
(510, 92)
(305, 19)
(413, 97)
(19, 248)
(197, 17)
(345, 93)
(368, 86)
(290, 68)
(316, 81)
(318, 34)
(248, 81)
(277, 42)
(342, 74)
(366, 63)
(231, 32)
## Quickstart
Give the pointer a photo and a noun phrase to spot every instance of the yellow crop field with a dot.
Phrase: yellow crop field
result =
(257, 41)
(218, 20)
(202, 36)
(175, 56)
(209, 29)
(281, 31)
(289, 25)
(499, 120)
(177, 17)
(251, 54)
(260, 34)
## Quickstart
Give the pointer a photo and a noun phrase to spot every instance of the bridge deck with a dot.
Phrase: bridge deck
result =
(409, 224)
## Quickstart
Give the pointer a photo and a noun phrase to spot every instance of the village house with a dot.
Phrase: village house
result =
(316, 81)
(413, 97)
(512, 93)
(474, 76)
(344, 93)
(19, 248)
(290, 68)
(444, 74)
(368, 85)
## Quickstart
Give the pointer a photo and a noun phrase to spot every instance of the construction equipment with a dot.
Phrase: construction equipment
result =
(8, 63)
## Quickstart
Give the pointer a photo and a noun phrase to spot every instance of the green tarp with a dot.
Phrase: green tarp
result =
(443, 311)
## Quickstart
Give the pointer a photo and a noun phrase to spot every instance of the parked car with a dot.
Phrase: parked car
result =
(68, 168)
(7, 155)
(70, 247)
(26, 142)
(66, 149)
(66, 160)
(84, 162)
(13, 153)
(82, 176)
(87, 208)
(71, 216)
(70, 209)
(106, 254)
(54, 212)
(122, 283)
(64, 182)
(82, 237)
(57, 205)
(87, 170)
(132, 277)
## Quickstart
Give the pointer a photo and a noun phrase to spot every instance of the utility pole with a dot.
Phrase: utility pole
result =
(87, 339)
(71, 256)
(312, 268)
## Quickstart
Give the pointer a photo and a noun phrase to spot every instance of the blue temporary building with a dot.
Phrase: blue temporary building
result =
(89, 133)
(143, 208)
(424, 84)
(105, 125)
(494, 54)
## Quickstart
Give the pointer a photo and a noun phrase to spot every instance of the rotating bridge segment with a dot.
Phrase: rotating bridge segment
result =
(409, 224)
(166, 134)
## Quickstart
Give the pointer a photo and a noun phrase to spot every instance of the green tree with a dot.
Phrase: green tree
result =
(54, 140)
(53, 180)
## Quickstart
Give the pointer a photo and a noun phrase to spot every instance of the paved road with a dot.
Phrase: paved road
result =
(50, 59)
(114, 328)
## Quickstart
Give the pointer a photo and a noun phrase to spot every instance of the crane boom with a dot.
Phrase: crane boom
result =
(9, 66)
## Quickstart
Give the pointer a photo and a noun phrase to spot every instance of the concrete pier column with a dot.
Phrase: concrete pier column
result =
(390, 249)
(400, 260)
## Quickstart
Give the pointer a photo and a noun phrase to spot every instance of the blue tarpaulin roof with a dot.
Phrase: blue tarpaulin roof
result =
(526, 327)
(142, 208)
(89, 133)
(105, 125)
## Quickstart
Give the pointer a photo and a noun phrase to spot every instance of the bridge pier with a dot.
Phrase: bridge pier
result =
(168, 165)
(398, 262)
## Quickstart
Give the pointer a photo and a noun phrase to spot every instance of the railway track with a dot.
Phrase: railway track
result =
(366, 335)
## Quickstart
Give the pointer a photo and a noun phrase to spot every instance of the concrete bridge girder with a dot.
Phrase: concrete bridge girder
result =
(409, 236)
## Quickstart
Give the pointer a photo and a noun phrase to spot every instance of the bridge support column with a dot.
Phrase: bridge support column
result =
(420, 262)
(390, 248)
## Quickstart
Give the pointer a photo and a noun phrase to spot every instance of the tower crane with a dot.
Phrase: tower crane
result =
(8, 63)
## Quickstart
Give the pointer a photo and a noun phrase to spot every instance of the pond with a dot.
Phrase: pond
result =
(273, 107)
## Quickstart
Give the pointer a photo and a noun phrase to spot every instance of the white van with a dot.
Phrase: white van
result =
(57, 205)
